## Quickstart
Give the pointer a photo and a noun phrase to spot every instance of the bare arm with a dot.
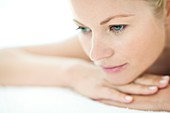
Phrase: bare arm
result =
(63, 64)
(40, 65)
(68, 48)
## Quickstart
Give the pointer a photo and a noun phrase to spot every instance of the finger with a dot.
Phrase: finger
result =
(157, 102)
(112, 94)
(160, 81)
(137, 89)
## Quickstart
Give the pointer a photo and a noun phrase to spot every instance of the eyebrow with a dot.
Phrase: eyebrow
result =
(114, 17)
(108, 19)
(78, 22)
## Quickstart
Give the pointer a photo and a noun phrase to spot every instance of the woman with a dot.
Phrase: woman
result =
(128, 42)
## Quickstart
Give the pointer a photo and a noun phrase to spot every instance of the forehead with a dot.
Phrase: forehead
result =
(85, 10)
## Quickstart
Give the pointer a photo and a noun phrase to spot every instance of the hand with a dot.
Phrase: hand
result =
(157, 102)
(90, 81)
(150, 81)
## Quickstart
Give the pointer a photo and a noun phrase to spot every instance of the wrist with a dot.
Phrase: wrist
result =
(73, 72)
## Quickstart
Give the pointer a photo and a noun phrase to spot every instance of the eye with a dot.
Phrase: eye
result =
(83, 29)
(117, 28)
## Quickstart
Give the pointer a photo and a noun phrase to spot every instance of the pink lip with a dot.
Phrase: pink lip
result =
(115, 69)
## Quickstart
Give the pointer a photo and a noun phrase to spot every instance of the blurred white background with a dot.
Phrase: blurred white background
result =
(25, 22)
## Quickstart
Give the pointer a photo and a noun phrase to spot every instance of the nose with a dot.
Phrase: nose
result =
(100, 49)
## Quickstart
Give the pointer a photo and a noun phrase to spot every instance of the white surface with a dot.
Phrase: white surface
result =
(51, 100)
(25, 22)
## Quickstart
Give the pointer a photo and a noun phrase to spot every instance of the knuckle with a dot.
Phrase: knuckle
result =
(113, 94)
(153, 78)
(156, 80)
(104, 93)
(118, 96)
(140, 87)
(110, 92)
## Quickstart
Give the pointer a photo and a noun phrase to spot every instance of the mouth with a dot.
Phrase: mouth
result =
(114, 69)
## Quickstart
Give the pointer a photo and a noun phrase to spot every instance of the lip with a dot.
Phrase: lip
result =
(115, 69)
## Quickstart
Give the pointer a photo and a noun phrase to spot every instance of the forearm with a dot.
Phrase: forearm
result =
(22, 68)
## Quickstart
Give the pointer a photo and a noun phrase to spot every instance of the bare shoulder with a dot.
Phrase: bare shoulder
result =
(67, 48)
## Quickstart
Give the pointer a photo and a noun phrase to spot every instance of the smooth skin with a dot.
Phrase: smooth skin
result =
(130, 44)
(143, 45)
(142, 32)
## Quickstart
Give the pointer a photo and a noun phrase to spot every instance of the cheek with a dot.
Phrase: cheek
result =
(140, 49)
(86, 44)
(145, 46)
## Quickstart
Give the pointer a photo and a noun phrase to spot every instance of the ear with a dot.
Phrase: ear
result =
(168, 12)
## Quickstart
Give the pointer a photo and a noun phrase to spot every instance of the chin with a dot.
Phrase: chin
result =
(127, 76)
(123, 79)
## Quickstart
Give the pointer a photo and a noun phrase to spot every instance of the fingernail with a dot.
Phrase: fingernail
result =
(128, 98)
(152, 87)
(164, 80)
(165, 77)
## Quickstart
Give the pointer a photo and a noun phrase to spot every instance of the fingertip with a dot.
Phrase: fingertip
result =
(153, 88)
(122, 98)
(150, 90)
(164, 82)
(165, 77)
(128, 99)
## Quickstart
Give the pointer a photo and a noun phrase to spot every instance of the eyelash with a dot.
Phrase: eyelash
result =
(123, 27)
(83, 29)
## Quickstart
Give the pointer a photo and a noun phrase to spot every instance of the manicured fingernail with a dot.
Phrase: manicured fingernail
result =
(165, 77)
(152, 87)
(128, 98)
(164, 80)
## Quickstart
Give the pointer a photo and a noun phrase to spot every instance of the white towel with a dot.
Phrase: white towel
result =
(52, 100)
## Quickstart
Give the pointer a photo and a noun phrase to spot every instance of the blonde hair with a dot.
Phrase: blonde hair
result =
(158, 6)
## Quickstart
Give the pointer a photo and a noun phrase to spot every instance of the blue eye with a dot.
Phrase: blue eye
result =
(83, 29)
(117, 28)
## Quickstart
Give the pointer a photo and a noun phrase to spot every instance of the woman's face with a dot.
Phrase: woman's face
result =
(123, 37)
